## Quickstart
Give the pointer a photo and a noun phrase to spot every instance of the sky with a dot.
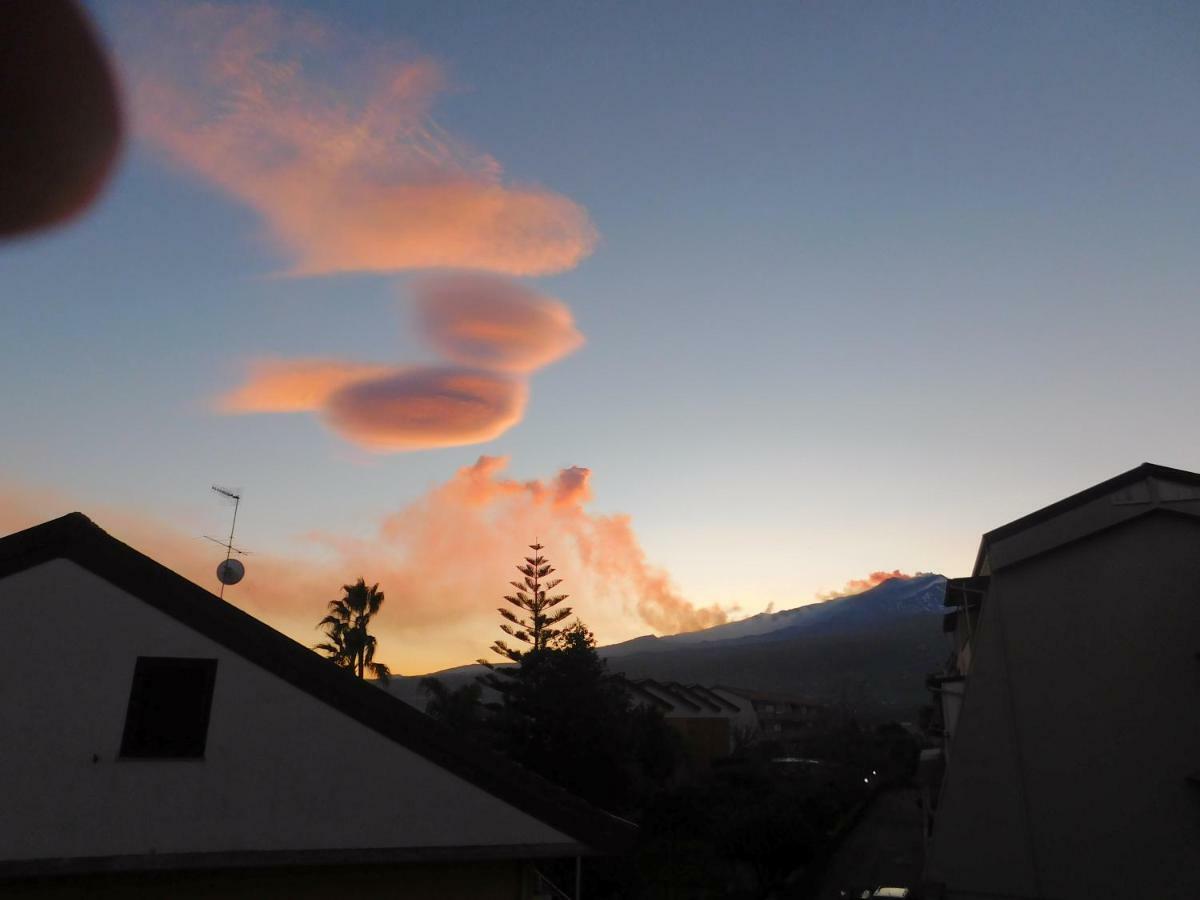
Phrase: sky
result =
(729, 305)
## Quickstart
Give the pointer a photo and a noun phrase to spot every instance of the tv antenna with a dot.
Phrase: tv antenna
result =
(231, 570)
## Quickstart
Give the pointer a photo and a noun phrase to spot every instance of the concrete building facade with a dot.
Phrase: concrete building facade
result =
(1070, 703)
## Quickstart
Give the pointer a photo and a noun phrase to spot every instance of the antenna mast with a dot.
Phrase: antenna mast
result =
(230, 571)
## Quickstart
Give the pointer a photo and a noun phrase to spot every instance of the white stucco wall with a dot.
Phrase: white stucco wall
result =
(745, 717)
(283, 771)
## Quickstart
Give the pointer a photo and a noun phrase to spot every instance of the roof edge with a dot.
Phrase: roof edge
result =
(77, 538)
(1138, 473)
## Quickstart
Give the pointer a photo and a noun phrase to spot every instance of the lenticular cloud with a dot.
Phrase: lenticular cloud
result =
(295, 385)
(349, 172)
(496, 329)
(328, 137)
(493, 323)
(425, 407)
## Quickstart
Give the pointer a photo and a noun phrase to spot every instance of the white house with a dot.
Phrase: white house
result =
(155, 739)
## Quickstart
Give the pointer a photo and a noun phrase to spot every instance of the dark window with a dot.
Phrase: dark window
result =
(168, 708)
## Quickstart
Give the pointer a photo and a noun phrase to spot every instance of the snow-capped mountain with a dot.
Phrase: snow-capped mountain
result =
(894, 598)
(867, 652)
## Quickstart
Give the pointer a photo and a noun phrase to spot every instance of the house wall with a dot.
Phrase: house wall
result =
(745, 719)
(282, 771)
(1080, 724)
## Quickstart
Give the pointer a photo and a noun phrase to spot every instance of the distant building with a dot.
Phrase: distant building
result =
(1069, 706)
(784, 718)
(709, 721)
(714, 721)
(158, 741)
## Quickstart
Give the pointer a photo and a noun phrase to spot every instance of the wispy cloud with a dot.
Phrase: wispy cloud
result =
(294, 385)
(479, 514)
(493, 323)
(444, 561)
(329, 137)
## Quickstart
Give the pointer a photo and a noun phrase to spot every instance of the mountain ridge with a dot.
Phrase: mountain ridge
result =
(919, 589)
(868, 652)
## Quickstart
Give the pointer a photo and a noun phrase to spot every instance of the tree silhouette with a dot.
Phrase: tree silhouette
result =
(459, 708)
(565, 717)
(534, 624)
(560, 713)
(349, 643)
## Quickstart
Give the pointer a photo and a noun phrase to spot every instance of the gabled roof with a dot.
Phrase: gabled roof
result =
(1140, 473)
(674, 697)
(672, 694)
(635, 687)
(686, 694)
(701, 691)
(76, 538)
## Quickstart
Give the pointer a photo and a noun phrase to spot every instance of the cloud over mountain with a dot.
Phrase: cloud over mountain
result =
(858, 585)
(444, 560)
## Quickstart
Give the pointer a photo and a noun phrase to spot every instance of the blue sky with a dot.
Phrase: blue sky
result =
(870, 279)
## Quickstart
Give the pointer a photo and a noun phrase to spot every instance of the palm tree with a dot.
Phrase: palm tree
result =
(348, 642)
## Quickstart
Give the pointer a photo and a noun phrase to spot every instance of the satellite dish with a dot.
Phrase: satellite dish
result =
(231, 571)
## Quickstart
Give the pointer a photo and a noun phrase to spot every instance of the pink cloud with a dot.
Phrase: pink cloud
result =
(328, 137)
(424, 407)
(294, 385)
(858, 585)
(485, 518)
(493, 323)
(385, 408)
(444, 561)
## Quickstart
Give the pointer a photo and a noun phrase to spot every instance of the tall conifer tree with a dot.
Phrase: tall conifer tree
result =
(538, 610)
